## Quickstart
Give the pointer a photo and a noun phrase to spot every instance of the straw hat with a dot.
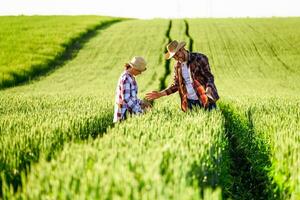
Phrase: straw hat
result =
(173, 47)
(138, 63)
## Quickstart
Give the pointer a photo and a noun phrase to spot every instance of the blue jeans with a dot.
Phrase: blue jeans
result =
(196, 103)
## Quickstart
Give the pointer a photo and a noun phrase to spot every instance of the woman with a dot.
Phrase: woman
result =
(127, 101)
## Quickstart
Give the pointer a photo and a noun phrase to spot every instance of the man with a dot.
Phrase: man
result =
(192, 78)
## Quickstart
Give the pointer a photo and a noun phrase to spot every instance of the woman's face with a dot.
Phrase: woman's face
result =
(135, 72)
(180, 55)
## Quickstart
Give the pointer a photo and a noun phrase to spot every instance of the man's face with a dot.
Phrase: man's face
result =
(180, 55)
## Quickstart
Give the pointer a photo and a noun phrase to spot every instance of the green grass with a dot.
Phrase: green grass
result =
(33, 45)
(251, 57)
(96, 69)
(40, 125)
(73, 103)
(256, 66)
(275, 129)
(247, 149)
(161, 160)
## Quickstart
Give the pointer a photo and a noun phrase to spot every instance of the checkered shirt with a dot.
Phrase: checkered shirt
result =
(126, 101)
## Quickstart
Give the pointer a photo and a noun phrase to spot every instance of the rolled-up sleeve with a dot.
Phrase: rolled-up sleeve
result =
(174, 86)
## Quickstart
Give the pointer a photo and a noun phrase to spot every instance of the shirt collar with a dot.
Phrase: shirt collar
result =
(189, 58)
(184, 63)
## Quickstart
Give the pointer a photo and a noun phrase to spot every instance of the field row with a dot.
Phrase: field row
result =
(165, 154)
(39, 118)
(32, 46)
(150, 157)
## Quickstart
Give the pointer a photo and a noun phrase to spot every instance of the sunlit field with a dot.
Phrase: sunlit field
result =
(58, 140)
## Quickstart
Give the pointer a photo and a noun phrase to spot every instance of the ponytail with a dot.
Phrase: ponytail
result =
(127, 66)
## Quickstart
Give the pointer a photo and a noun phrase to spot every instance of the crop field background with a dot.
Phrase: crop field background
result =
(58, 77)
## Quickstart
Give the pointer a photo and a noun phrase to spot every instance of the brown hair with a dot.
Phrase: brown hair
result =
(127, 66)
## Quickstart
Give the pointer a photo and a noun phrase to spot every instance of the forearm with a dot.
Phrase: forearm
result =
(170, 90)
(163, 93)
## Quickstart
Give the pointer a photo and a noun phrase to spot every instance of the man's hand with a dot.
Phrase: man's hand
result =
(153, 95)
(209, 93)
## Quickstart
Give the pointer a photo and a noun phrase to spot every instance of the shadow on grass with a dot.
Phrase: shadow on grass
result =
(249, 157)
(167, 62)
(241, 170)
(216, 175)
(71, 50)
(187, 33)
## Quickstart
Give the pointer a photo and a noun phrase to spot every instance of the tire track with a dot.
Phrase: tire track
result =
(241, 54)
(209, 46)
(167, 62)
(213, 54)
(271, 30)
(261, 58)
(231, 61)
(250, 177)
(249, 156)
(273, 51)
(92, 128)
(256, 52)
(70, 52)
(187, 33)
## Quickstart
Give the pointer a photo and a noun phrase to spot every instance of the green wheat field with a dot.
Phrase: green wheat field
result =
(58, 76)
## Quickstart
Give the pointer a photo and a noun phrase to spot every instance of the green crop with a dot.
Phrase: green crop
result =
(74, 103)
(33, 45)
(148, 157)
(58, 141)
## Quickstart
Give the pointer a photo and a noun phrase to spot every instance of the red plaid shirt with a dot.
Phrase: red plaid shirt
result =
(126, 97)
(200, 71)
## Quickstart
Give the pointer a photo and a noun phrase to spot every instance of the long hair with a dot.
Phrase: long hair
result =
(127, 66)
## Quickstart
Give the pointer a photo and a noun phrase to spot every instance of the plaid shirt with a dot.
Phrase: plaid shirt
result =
(200, 71)
(126, 97)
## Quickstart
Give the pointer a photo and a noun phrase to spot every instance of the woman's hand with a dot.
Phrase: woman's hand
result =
(154, 95)
(145, 104)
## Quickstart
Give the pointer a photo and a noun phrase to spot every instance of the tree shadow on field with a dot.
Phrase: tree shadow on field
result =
(71, 50)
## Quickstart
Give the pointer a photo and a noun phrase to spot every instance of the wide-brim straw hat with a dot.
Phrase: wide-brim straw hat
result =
(138, 63)
(173, 47)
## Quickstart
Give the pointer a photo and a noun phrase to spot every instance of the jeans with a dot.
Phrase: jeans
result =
(196, 103)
